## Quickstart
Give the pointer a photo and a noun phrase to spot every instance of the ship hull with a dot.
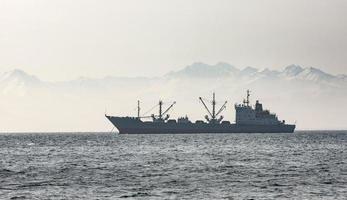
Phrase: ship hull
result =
(128, 125)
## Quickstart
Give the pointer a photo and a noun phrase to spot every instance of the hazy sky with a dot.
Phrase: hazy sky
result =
(64, 39)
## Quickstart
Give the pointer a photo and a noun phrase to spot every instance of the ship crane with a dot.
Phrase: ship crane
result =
(212, 117)
(159, 117)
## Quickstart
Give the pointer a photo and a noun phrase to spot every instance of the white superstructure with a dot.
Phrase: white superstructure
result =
(247, 115)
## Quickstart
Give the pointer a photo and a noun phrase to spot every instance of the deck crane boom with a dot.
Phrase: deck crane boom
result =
(203, 103)
(167, 110)
(222, 108)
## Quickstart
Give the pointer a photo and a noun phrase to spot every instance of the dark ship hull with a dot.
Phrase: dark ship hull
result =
(132, 125)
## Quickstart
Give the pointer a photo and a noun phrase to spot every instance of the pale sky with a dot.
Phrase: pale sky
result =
(65, 39)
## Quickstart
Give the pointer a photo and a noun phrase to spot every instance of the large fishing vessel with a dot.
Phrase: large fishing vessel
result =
(249, 119)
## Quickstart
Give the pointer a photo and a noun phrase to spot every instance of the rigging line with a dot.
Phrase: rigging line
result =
(112, 130)
(149, 110)
(207, 100)
(168, 102)
(210, 101)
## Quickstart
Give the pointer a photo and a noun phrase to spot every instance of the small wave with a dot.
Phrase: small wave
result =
(38, 184)
(18, 197)
(138, 194)
(6, 171)
(171, 192)
(328, 182)
(277, 185)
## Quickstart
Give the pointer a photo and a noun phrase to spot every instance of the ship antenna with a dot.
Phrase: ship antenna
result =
(248, 94)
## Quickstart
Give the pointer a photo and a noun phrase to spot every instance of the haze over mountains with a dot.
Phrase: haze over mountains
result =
(295, 93)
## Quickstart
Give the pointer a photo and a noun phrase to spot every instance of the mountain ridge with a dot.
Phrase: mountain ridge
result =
(290, 72)
(199, 70)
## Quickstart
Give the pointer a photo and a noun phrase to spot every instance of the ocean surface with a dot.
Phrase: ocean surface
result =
(303, 165)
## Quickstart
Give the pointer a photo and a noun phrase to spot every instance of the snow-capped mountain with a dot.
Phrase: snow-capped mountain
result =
(202, 70)
(292, 70)
(224, 70)
(342, 76)
(248, 71)
(313, 74)
(18, 82)
(19, 77)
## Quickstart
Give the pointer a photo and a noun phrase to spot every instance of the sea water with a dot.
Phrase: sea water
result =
(303, 165)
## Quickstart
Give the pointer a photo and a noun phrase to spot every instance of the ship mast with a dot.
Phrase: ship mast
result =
(160, 109)
(138, 109)
(214, 106)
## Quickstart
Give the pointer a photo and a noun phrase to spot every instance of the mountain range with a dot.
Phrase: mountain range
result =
(295, 93)
(20, 79)
(296, 72)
